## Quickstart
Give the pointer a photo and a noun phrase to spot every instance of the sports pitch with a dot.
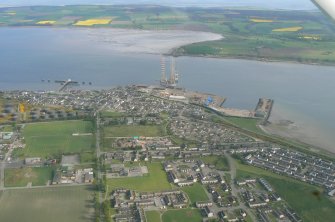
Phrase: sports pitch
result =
(66, 204)
(52, 138)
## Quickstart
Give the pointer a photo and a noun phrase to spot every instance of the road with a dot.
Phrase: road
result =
(47, 186)
(2, 169)
(98, 153)
(234, 190)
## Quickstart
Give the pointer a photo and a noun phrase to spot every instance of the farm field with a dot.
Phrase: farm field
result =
(297, 194)
(252, 34)
(153, 216)
(133, 130)
(91, 22)
(54, 138)
(193, 215)
(47, 204)
(21, 177)
(155, 180)
(196, 193)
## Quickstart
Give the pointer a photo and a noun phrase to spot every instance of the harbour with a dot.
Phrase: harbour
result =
(241, 82)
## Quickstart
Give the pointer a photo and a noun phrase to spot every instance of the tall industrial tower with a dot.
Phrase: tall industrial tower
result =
(173, 79)
(163, 77)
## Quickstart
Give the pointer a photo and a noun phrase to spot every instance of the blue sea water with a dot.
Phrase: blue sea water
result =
(28, 55)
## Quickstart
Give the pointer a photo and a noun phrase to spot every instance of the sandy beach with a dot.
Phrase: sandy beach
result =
(144, 41)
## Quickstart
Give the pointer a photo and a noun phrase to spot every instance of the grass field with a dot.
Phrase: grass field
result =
(54, 138)
(155, 180)
(196, 193)
(245, 123)
(260, 34)
(6, 128)
(133, 130)
(220, 162)
(153, 216)
(111, 114)
(248, 33)
(68, 204)
(299, 195)
(21, 177)
(184, 215)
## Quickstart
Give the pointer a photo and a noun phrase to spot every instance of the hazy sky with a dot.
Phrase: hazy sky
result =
(277, 4)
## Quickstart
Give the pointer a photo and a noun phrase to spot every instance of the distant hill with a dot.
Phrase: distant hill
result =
(273, 4)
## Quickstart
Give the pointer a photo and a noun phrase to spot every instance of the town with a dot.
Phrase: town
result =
(154, 153)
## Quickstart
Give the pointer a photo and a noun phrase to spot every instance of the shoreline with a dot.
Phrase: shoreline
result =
(308, 132)
(173, 51)
(250, 58)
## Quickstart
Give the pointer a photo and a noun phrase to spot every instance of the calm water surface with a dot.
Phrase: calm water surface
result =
(28, 55)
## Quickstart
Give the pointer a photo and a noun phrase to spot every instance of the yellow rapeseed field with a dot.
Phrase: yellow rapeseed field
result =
(90, 22)
(46, 22)
(289, 29)
(11, 13)
(310, 37)
(261, 20)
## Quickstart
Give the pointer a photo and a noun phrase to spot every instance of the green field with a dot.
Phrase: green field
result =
(133, 130)
(6, 128)
(196, 193)
(245, 123)
(244, 38)
(299, 195)
(54, 138)
(153, 216)
(220, 162)
(110, 114)
(184, 215)
(155, 180)
(21, 177)
(68, 204)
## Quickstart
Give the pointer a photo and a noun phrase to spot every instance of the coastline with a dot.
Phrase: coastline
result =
(174, 51)
(250, 58)
(291, 133)
(286, 124)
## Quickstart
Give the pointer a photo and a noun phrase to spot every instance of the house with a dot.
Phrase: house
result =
(201, 204)
(185, 183)
(209, 181)
(208, 212)
(145, 203)
(279, 214)
(222, 215)
(243, 213)
(200, 163)
(32, 161)
(172, 177)
(331, 193)
(89, 177)
(168, 166)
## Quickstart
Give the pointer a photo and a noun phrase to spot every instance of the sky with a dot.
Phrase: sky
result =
(272, 4)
